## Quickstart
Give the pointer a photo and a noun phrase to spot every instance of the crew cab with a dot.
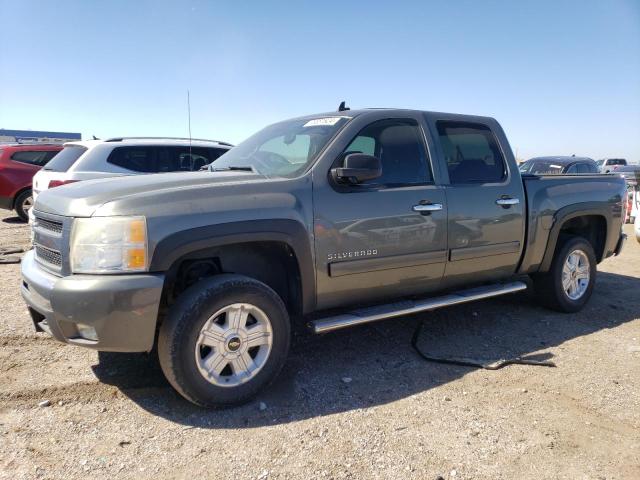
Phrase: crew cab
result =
(333, 220)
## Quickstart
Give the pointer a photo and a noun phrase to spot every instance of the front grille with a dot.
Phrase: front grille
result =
(55, 227)
(49, 256)
(50, 242)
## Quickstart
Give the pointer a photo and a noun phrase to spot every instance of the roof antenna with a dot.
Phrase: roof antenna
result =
(189, 113)
(343, 107)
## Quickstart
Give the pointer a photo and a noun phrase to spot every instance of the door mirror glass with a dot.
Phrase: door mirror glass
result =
(358, 168)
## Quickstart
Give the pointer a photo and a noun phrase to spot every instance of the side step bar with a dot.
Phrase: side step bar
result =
(408, 307)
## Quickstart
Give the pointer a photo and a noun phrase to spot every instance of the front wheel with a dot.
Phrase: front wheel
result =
(224, 340)
(568, 284)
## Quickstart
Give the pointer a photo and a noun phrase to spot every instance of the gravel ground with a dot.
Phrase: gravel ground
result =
(354, 404)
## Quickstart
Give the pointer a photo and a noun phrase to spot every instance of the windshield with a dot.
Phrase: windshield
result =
(284, 149)
(65, 158)
(616, 161)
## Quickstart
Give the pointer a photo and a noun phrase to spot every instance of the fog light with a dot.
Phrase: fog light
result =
(87, 332)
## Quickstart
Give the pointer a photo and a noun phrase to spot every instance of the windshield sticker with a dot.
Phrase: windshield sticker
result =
(321, 122)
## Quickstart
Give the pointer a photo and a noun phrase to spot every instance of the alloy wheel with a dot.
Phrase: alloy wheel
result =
(233, 345)
(576, 274)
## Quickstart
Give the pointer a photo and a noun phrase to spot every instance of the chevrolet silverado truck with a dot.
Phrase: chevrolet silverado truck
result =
(332, 220)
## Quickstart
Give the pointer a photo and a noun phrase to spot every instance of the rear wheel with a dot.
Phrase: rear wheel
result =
(24, 203)
(568, 284)
(224, 340)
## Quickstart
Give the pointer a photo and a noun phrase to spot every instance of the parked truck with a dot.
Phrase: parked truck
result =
(333, 220)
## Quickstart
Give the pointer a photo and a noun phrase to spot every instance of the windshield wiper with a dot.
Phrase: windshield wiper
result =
(239, 169)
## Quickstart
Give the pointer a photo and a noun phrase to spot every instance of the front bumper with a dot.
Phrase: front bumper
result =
(123, 309)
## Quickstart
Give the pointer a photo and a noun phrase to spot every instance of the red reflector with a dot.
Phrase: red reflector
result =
(59, 183)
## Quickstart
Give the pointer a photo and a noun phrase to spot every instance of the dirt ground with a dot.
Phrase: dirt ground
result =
(357, 404)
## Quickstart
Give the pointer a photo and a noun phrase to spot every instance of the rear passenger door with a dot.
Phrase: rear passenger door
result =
(485, 203)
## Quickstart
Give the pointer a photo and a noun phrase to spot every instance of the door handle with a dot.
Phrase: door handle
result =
(505, 202)
(427, 207)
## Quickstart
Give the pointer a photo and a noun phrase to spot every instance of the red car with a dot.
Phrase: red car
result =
(18, 164)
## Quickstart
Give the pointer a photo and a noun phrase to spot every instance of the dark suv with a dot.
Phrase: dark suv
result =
(18, 165)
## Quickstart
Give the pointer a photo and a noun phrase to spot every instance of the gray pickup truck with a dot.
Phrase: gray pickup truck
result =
(333, 220)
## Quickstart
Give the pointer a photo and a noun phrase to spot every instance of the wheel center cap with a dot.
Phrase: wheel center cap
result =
(233, 344)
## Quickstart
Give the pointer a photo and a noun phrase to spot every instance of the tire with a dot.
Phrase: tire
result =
(212, 375)
(549, 286)
(23, 203)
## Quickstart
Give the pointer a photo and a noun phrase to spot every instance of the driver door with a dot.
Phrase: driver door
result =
(384, 238)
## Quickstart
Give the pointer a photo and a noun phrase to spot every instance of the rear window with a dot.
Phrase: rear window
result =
(65, 158)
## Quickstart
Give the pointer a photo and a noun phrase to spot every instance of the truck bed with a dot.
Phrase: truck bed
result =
(552, 199)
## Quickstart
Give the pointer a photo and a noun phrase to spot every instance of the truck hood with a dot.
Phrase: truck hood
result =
(111, 195)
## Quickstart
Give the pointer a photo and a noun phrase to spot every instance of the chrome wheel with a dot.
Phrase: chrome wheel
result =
(234, 344)
(576, 274)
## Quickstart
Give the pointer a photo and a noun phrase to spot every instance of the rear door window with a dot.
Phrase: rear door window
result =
(65, 158)
(471, 152)
(136, 159)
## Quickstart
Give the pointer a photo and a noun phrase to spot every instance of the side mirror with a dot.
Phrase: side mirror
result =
(358, 168)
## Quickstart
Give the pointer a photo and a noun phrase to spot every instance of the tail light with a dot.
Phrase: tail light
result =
(59, 183)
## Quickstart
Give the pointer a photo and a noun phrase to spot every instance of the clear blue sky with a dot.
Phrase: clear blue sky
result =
(562, 77)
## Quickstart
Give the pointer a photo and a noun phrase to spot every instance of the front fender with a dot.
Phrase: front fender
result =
(180, 244)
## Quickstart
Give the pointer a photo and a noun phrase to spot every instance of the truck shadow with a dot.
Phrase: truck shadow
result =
(375, 364)
(14, 220)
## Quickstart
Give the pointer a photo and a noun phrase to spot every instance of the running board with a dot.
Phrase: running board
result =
(408, 307)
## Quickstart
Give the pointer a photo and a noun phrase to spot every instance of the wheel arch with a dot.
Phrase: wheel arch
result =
(18, 193)
(277, 252)
(591, 221)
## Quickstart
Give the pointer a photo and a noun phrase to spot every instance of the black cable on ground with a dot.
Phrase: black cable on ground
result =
(471, 362)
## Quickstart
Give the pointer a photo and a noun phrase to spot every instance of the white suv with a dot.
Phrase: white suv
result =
(93, 159)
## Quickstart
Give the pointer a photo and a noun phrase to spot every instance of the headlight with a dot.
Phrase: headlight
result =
(109, 245)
